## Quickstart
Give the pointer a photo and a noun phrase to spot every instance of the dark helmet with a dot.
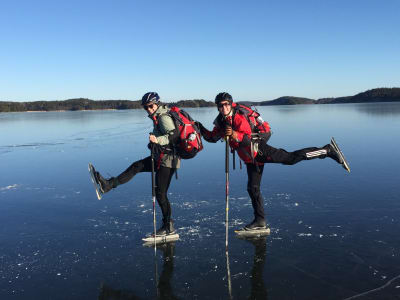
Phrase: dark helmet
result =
(150, 97)
(223, 97)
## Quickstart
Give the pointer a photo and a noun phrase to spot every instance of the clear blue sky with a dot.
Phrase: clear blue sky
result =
(256, 50)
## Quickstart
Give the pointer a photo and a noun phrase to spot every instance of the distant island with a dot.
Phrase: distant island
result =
(374, 95)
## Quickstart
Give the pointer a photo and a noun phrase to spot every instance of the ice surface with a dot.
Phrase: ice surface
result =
(55, 235)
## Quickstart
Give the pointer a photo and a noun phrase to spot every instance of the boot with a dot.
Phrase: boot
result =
(166, 228)
(256, 224)
(336, 154)
(105, 184)
(333, 153)
(170, 227)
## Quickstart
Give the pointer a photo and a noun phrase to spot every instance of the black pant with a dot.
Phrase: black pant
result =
(163, 180)
(269, 154)
(254, 175)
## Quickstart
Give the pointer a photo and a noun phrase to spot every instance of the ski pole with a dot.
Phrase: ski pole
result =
(153, 194)
(227, 214)
(228, 270)
(226, 189)
(233, 159)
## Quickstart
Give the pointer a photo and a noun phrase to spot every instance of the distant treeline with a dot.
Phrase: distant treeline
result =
(374, 95)
(193, 103)
(87, 104)
(71, 104)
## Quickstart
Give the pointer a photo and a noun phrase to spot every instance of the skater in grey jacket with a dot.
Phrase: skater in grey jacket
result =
(162, 141)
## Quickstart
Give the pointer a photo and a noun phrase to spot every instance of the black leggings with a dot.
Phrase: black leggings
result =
(163, 180)
(269, 154)
(254, 175)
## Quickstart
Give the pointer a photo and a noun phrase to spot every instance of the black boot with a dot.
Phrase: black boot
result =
(166, 228)
(170, 227)
(332, 153)
(105, 184)
(256, 224)
(336, 154)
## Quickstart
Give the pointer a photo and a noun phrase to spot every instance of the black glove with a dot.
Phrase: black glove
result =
(156, 147)
(200, 126)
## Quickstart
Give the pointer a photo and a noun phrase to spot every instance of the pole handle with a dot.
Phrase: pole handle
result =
(227, 154)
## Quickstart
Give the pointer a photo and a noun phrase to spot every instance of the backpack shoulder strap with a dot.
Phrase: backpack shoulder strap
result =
(173, 113)
(246, 112)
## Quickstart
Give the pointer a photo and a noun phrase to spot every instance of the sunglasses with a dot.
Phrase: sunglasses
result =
(150, 106)
(220, 105)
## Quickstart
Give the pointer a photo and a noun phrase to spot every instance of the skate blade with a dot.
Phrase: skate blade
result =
(98, 195)
(96, 187)
(160, 239)
(253, 233)
(345, 163)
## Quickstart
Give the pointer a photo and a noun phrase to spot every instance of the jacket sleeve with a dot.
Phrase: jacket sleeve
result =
(167, 128)
(210, 136)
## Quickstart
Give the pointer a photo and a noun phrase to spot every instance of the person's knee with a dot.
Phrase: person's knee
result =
(161, 196)
(253, 190)
(291, 158)
(136, 167)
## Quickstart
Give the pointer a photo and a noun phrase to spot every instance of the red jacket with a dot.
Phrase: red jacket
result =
(242, 143)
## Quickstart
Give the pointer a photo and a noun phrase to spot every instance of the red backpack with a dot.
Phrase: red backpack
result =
(189, 143)
(260, 129)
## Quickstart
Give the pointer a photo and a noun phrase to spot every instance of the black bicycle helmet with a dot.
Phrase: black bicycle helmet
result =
(223, 97)
(150, 97)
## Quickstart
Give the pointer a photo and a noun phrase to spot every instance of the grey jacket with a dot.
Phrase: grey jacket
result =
(163, 131)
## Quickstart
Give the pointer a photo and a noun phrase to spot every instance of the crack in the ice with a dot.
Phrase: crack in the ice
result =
(374, 290)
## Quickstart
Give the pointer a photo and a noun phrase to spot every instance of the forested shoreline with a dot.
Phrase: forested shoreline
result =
(374, 95)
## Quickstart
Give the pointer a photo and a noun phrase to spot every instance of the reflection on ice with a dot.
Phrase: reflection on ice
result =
(258, 288)
(9, 187)
(163, 284)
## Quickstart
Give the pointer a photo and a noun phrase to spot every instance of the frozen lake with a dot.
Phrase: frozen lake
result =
(334, 235)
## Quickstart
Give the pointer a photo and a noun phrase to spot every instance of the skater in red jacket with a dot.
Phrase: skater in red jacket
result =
(248, 135)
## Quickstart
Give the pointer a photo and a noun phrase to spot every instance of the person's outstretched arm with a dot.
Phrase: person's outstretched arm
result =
(210, 136)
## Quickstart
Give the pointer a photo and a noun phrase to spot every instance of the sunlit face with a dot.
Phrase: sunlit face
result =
(224, 107)
(150, 108)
